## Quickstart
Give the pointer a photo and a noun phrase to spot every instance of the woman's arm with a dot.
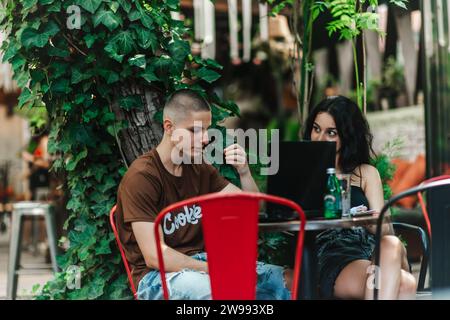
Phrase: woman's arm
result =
(373, 189)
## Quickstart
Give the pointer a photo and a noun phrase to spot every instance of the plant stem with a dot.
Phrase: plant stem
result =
(296, 56)
(355, 61)
(364, 73)
(364, 65)
(306, 53)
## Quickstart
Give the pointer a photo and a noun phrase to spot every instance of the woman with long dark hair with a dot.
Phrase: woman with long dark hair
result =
(345, 255)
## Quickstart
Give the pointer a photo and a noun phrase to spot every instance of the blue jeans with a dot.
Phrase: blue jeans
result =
(190, 284)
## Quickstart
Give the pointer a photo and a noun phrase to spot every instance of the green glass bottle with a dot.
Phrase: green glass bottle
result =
(332, 199)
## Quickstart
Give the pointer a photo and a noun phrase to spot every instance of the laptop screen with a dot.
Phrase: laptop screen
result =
(302, 173)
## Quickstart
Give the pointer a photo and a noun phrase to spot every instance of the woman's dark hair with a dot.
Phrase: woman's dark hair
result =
(352, 128)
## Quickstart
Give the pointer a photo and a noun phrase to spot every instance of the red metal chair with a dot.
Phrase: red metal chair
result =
(230, 230)
(112, 221)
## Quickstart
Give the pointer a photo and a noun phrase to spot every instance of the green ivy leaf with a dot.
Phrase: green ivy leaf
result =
(207, 75)
(172, 4)
(58, 68)
(61, 86)
(179, 50)
(83, 254)
(10, 52)
(161, 66)
(28, 4)
(125, 4)
(147, 21)
(138, 60)
(33, 38)
(134, 15)
(80, 134)
(213, 63)
(89, 5)
(55, 7)
(96, 287)
(89, 39)
(36, 76)
(111, 49)
(90, 114)
(124, 42)
(57, 52)
(146, 39)
(72, 161)
(108, 19)
(24, 97)
(114, 6)
(149, 75)
(218, 114)
(78, 76)
(231, 106)
(103, 248)
(17, 62)
(109, 75)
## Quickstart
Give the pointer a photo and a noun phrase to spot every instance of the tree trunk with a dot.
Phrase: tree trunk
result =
(143, 132)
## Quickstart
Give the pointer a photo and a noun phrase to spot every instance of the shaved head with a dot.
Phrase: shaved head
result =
(182, 103)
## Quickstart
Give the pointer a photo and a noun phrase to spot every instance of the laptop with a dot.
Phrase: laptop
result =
(301, 178)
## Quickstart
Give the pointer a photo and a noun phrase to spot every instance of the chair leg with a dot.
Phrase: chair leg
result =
(35, 223)
(308, 280)
(423, 273)
(50, 225)
(15, 250)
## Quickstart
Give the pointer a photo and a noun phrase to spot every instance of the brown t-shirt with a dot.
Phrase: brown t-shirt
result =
(146, 189)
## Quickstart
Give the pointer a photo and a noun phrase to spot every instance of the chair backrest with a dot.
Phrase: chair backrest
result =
(424, 186)
(425, 246)
(422, 202)
(230, 230)
(112, 221)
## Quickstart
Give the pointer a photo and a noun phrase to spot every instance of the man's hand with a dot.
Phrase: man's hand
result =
(236, 156)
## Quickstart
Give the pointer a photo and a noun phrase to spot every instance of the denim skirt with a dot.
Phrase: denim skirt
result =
(336, 248)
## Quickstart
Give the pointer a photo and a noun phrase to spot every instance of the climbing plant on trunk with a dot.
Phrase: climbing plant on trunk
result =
(102, 69)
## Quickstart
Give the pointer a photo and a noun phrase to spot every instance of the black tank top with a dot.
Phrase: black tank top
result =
(357, 195)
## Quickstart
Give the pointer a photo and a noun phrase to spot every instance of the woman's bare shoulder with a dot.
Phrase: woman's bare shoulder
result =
(370, 174)
(368, 169)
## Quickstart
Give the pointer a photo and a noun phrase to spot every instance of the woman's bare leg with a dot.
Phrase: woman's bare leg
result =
(394, 283)
(391, 257)
(408, 286)
(351, 283)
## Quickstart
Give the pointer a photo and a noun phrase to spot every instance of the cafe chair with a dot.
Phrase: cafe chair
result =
(230, 229)
(425, 186)
(112, 221)
(406, 228)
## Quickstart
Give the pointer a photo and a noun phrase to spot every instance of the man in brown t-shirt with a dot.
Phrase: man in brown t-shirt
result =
(158, 179)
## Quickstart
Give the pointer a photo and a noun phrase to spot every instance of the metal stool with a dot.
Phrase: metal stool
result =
(41, 194)
(21, 210)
